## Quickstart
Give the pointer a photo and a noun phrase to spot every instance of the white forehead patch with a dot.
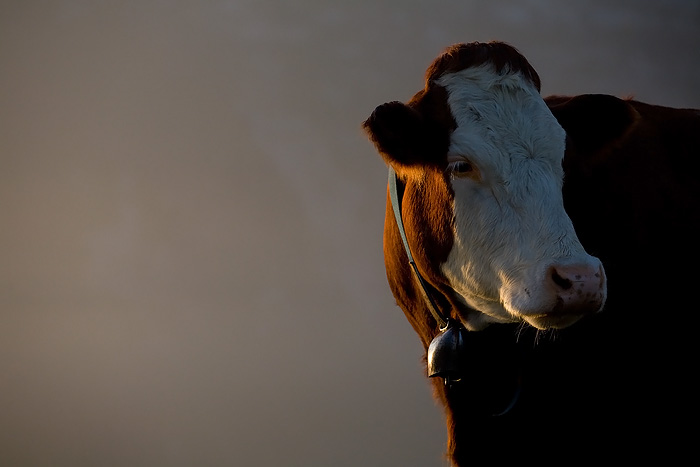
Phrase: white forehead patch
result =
(500, 113)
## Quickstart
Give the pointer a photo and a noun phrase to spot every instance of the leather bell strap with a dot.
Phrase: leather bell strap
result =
(396, 205)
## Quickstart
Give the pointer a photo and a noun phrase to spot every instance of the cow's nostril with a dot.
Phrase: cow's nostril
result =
(562, 282)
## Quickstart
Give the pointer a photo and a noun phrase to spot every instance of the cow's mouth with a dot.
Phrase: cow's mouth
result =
(566, 312)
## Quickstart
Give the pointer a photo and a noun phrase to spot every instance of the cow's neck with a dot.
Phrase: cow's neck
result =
(503, 403)
(440, 318)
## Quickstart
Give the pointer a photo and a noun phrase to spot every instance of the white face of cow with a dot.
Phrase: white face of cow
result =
(480, 141)
(515, 255)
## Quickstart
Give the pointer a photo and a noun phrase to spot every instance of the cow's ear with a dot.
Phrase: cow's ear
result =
(593, 121)
(401, 134)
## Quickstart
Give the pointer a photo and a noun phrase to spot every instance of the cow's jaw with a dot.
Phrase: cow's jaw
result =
(516, 256)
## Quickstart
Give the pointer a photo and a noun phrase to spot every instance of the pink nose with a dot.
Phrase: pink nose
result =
(579, 288)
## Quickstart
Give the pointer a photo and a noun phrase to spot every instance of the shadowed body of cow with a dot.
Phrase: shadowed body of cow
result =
(617, 384)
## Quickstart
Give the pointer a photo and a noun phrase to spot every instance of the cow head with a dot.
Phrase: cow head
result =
(479, 156)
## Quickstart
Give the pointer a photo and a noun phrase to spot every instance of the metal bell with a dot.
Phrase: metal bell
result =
(445, 354)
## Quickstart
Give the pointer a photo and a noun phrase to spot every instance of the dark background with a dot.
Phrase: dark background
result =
(190, 245)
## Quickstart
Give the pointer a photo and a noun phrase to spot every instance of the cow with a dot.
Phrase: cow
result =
(557, 238)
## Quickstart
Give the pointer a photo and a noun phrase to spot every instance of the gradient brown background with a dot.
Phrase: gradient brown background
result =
(190, 249)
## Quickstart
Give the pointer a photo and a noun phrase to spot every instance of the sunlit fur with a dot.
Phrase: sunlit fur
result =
(509, 219)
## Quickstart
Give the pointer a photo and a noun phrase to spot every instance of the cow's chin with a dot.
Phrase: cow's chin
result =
(482, 314)
(555, 320)
(552, 320)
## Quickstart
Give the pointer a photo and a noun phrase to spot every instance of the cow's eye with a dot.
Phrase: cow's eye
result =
(461, 168)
